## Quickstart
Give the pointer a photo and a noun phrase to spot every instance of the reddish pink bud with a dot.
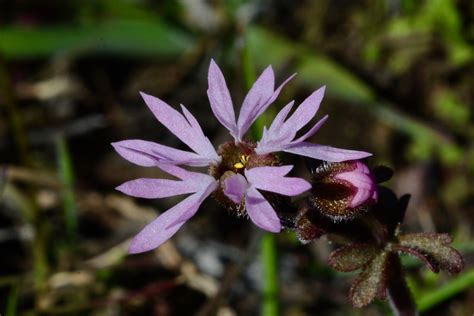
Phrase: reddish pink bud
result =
(343, 190)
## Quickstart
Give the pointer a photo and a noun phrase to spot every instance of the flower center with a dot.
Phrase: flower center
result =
(236, 158)
(243, 161)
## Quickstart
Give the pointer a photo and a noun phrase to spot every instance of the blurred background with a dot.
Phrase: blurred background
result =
(399, 76)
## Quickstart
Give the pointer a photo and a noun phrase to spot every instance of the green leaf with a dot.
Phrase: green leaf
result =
(371, 282)
(433, 249)
(118, 37)
(352, 257)
(312, 67)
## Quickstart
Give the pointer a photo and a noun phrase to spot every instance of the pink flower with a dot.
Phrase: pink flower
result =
(238, 169)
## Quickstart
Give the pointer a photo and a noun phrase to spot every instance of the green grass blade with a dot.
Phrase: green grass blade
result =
(139, 38)
(12, 301)
(66, 174)
(454, 286)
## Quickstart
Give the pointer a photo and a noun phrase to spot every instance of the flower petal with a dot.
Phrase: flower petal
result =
(326, 153)
(205, 148)
(262, 108)
(166, 225)
(261, 91)
(312, 131)
(219, 98)
(259, 101)
(147, 154)
(179, 125)
(273, 139)
(203, 194)
(360, 197)
(235, 187)
(261, 212)
(156, 188)
(357, 179)
(281, 117)
(273, 179)
(179, 172)
(280, 135)
(305, 111)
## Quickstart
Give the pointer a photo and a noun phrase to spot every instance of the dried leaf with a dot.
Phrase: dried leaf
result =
(371, 282)
(435, 250)
(352, 257)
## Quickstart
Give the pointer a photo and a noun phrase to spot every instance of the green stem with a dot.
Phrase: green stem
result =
(270, 275)
(12, 301)
(441, 294)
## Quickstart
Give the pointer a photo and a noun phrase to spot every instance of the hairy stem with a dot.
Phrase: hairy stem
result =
(401, 300)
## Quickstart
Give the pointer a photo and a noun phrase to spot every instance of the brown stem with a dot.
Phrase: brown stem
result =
(399, 295)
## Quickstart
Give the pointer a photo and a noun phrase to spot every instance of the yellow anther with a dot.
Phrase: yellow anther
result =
(239, 165)
(243, 160)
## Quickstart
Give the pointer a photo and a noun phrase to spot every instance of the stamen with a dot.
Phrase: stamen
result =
(241, 164)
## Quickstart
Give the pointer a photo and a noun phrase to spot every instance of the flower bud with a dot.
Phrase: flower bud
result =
(308, 226)
(343, 190)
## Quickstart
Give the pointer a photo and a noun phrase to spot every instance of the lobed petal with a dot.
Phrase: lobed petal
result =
(273, 179)
(259, 108)
(326, 153)
(235, 187)
(361, 197)
(358, 179)
(305, 111)
(273, 97)
(281, 117)
(219, 98)
(274, 139)
(206, 149)
(261, 212)
(260, 92)
(282, 133)
(167, 224)
(147, 154)
(156, 188)
(179, 125)
(312, 131)
(199, 181)
(202, 194)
